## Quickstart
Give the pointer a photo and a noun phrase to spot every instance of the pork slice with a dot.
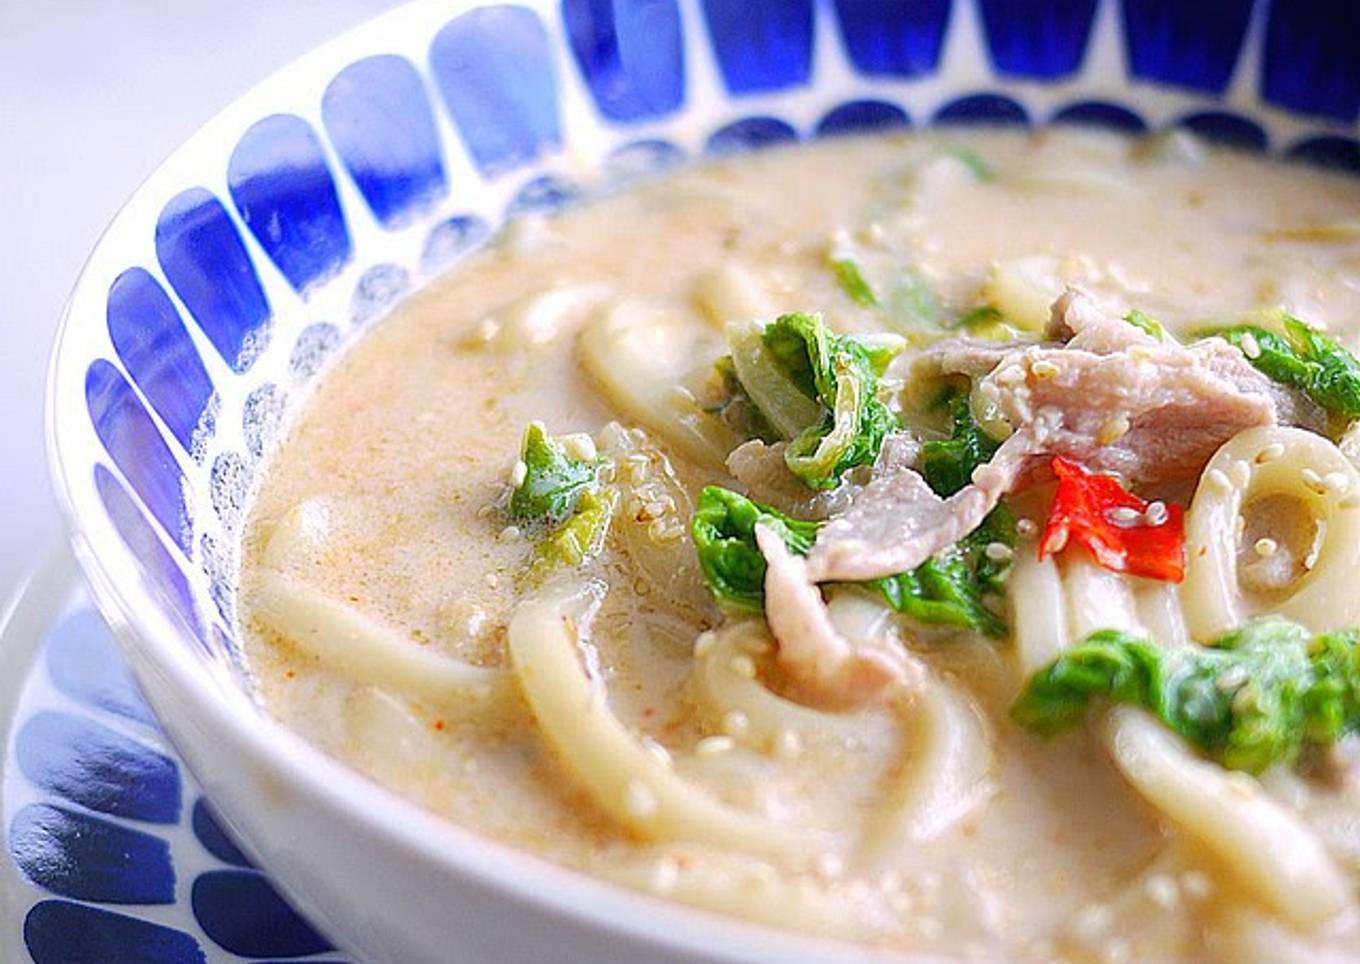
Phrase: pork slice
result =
(898, 522)
(816, 657)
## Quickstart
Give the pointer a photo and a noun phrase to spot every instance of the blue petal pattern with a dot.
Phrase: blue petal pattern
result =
(89, 764)
(60, 932)
(541, 195)
(1226, 130)
(1037, 38)
(761, 45)
(157, 352)
(214, 839)
(493, 66)
(76, 855)
(982, 109)
(139, 451)
(1099, 113)
(85, 665)
(164, 574)
(893, 39)
(243, 914)
(861, 117)
(283, 189)
(206, 263)
(1192, 45)
(639, 158)
(749, 134)
(632, 55)
(380, 122)
(1337, 153)
(451, 239)
(1311, 62)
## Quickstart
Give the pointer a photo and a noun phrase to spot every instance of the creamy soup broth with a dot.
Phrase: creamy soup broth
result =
(387, 498)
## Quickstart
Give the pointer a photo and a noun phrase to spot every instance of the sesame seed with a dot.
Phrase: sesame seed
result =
(488, 329)
(1156, 513)
(703, 644)
(744, 666)
(492, 580)
(1250, 346)
(1196, 883)
(1162, 891)
(519, 473)
(999, 552)
(735, 723)
(1313, 481)
(1265, 547)
(1043, 368)
(713, 745)
(1114, 428)
(1239, 473)
(1059, 541)
(662, 755)
(1124, 516)
(1026, 527)
(1336, 482)
(639, 800)
(787, 745)
(579, 445)
(1270, 453)
(1230, 679)
(1010, 375)
(508, 533)
(1216, 478)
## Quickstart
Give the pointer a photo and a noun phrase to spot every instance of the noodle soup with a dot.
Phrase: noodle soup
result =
(943, 543)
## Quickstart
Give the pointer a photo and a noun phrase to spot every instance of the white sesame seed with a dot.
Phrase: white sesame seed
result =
(1313, 481)
(1230, 679)
(1043, 368)
(662, 755)
(1156, 513)
(744, 665)
(1010, 375)
(639, 800)
(787, 745)
(1239, 473)
(1265, 547)
(488, 329)
(519, 473)
(492, 580)
(1026, 527)
(1250, 346)
(1124, 516)
(829, 866)
(579, 445)
(1162, 891)
(703, 644)
(1216, 478)
(735, 723)
(1270, 453)
(1336, 482)
(1196, 884)
(508, 533)
(999, 552)
(1114, 428)
(1059, 541)
(713, 745)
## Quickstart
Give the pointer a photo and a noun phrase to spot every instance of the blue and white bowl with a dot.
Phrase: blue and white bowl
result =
(313, 204)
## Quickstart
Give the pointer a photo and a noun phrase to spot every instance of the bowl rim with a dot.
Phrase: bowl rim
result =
(508, 872)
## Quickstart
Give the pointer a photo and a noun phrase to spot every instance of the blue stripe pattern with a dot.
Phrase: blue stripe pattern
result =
(242, 913)
(86, 858)
(631, 54)
(1191, 45)
(893, 39)
(60, 932)
(761, 45)
(85, 665)
(1042, 39)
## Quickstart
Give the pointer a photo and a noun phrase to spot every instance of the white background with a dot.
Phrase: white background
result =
(92, 96)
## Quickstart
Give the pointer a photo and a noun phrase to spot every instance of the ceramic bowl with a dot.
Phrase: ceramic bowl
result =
(312, 205)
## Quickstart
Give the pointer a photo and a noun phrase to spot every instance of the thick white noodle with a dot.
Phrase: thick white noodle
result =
(1273, 461)
(610, 763)
(1264, 846)
(1038, 612)
(348, 641)
(1159, 610)
(720, 689)
(641, 359)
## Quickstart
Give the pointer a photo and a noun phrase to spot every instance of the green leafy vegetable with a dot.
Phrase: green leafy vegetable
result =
(979, 165)
(1303, 358)
(852, 280)
(819, 389)
(949, 588)
(948, 464)
(579, 538)
(1142, 320)
(911, 302)
(1258, 695)
(736, 407)
(946, 590)
(724, 531)
(553, 481)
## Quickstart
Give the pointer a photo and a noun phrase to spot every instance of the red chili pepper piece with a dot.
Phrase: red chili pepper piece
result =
(1091, 509)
